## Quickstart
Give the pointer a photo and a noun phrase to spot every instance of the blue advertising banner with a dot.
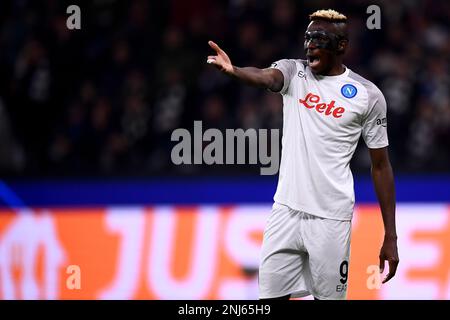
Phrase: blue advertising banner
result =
(85, 192)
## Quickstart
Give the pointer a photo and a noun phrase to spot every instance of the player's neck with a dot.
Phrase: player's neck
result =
(336, 70)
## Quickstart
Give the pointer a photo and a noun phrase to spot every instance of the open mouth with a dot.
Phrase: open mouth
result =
(313, 60)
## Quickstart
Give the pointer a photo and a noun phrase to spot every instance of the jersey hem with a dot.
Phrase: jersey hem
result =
(311, 211)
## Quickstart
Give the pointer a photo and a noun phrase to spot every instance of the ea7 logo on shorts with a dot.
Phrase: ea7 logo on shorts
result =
(349, 91)
(341, 287)
(382, 122)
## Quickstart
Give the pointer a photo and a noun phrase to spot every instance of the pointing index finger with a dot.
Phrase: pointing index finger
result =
(213, 45)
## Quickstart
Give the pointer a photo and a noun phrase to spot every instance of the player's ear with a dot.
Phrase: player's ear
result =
(342, 46)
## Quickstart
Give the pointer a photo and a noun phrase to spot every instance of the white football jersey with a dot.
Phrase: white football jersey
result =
(323, 118)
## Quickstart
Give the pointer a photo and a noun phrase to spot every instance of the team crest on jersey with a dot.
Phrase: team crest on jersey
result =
(349, 90)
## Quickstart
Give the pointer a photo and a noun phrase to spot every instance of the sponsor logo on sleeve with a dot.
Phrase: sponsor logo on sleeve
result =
(382, 122)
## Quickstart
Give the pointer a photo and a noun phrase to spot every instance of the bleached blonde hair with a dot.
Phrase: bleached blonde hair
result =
(328, 15)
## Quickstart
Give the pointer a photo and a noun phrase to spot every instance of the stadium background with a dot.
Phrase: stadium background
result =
(85, 123)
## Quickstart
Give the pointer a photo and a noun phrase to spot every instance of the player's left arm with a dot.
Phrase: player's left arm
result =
(383, 179)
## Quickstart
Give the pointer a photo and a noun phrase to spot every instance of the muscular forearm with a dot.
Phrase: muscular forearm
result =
(268, 78)
(383, 179)
(264, 78)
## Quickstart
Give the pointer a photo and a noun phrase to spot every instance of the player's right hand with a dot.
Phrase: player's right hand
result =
(221, 61)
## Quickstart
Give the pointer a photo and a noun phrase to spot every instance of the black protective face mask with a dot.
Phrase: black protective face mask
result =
(322, 40)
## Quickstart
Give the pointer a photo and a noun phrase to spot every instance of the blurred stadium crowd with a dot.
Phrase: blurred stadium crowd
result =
(105, 99)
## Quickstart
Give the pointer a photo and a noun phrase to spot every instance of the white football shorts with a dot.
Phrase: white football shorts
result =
(303, 255)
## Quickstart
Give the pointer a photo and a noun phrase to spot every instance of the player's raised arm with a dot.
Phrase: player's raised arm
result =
(269, 78)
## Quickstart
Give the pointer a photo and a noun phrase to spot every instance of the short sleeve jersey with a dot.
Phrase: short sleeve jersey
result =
(323, 118)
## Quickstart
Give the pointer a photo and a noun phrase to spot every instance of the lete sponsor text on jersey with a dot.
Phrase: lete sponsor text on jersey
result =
(311, 101)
